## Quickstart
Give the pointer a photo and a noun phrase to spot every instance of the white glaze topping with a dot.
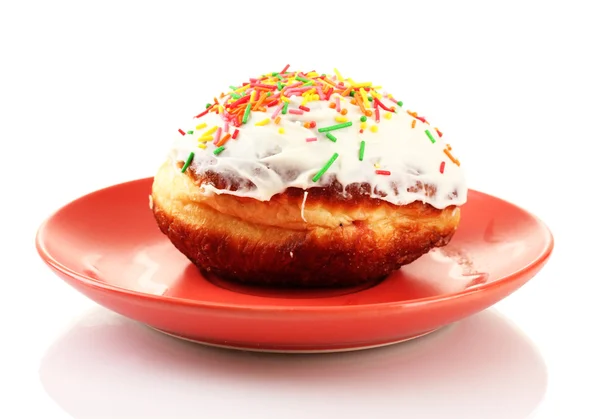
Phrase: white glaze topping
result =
(275, 157)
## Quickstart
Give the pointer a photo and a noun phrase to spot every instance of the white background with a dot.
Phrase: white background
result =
(92, 93)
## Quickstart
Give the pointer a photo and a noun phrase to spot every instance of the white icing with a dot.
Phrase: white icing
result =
(275, 161)
(303, 206)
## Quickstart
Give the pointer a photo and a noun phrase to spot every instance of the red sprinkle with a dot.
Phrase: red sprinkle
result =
(378, 102)
(182, 132)
(308, 140)
(239, 102)
(304, 108)
(383, 172)
(377, 114)
(313, 124)
(361, 131)
(284, 69)
(439, 133)
(235, 134)
(295, 112)
(203, 113)
(442, 166)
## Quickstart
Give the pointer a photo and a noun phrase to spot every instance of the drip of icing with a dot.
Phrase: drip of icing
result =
(303, 205)
(401, 159)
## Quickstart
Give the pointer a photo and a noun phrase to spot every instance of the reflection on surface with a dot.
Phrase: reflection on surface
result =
(107, 366)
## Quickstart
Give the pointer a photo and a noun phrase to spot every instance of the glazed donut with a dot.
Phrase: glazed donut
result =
(307, 179)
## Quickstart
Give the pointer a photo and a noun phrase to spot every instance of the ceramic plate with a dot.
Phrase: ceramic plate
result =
(107, 245)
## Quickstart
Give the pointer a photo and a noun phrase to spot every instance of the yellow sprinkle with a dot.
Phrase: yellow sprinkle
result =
(263, 122)
(241, 89)
(366, 84)
(252, 96)
(341, 119)
(281, 130)
(312, 74)
(201, 145)
(374, 128)
(363, 125)
(309, 92)
(205, 138)
(304, 101)
(285, 99)
(388, 115)
(327, 82)
(277, 120)
(200, 126)
(377, 166)
(210, 131)
(375, 94)
(314, 97)
(337, 73)
(363, 94)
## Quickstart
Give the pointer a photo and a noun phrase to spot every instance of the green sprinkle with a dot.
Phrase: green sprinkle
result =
(352, 92)
(235, 96)
(190, 132)
(430, 136)
(274, 73)
(309, 83)
(399, 103)
(279, 85)
(246, 113)
(302, 79)
(269, 94)
(279, 76)
(363, 119)
(334, 127)
(361, 152)
(331, 137)
(370, 98)
(285, 106)
(188, 162)
(233, 87)
(218, 150)
(208, 105)
(325, 168)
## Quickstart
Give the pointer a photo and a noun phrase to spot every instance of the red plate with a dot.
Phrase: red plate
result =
(107, 245)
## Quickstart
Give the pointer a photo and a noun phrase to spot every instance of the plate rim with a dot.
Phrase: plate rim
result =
(88, 281)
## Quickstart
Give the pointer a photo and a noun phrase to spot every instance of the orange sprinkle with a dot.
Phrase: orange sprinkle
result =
(344, 111)
(306, 124)
(451, 157)
(260, 101)
(331, 105)
(346, 92)
(369, 112)
(353, 101)
(277, 120)
(225, 138)
(414, 122)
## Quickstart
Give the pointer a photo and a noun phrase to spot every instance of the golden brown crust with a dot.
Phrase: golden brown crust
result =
(336, 239)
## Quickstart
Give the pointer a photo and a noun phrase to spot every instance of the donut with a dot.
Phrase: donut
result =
(306, 179)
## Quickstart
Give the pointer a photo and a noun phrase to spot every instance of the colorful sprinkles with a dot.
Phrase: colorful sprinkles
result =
(271, 93)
